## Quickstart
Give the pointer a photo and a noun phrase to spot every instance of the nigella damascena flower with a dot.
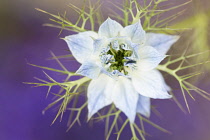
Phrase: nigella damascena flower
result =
(121, 63)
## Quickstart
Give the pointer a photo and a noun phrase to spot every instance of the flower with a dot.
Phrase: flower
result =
(121, 63)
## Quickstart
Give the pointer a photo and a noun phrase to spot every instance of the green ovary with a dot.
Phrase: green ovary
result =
(119, 58)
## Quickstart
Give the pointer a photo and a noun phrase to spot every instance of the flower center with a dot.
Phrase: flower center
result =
(117, 57)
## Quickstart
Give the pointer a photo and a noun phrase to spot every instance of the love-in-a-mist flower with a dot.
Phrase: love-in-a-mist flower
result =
(121, 63)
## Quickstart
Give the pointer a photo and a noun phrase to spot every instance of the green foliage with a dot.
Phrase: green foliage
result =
(198, 36)
(88, 14)
(183, 80)
(149, 12)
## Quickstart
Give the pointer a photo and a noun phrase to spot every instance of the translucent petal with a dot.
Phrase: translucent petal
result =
(135, 32)
(150, 84)
(105, 59)
(149, 58)
(81, 45)
(115, 45)
(161, 42)
(143, 106)
(89, 69)
(105, 90)
(110, 28)
(91, 34)
(125, 97)
(99, 92)
(101, 45)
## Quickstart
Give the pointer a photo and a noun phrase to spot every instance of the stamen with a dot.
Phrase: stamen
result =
(118, 58)
(112, 50)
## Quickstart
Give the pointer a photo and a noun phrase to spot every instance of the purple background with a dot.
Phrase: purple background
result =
(23, 39)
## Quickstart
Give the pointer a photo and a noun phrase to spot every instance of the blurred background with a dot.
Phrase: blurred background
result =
(24, 40)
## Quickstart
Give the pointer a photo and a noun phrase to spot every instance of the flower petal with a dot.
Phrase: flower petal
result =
(149, 58)
(135, 32)
(105, 90)
(110, 28)
(99, 92)
(161, 42)
(81, 45)
(150, 84)
(168, 88)
(100, 44)
(143, 106)
(89, 69)
(91, 34)
(125, 97)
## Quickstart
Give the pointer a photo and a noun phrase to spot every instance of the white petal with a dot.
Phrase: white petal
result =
(91, 34)
(168, 88)
(143, 106)
(99, 92)
(104, 90)
(110, 28)
(81, 45)
(89, 69)
(161, 42)
(150, 84)
(135, 32)
(100, 44)
(149, 58)
(125, 97)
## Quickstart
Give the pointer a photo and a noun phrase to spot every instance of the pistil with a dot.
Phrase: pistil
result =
(120, 59)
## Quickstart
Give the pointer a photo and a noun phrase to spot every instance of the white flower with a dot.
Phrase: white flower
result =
(121, 63)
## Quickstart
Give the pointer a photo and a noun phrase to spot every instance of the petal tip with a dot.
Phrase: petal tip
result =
(169, 96)
(176, 37)
(109, 28)
(132, 119)
(147, 114)
(89, 117)
(89, 68)
(166, 96)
